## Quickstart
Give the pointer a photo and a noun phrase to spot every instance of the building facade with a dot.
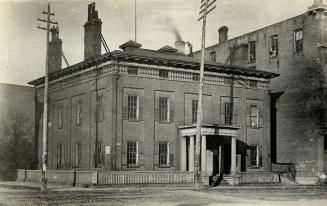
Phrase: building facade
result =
(295, 49)
(135, 109)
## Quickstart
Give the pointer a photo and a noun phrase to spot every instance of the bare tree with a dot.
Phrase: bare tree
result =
(16, 144)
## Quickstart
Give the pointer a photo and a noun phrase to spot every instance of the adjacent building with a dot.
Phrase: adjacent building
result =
(136, 109)
(295, 49)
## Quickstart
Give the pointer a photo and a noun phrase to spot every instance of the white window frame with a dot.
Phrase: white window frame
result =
(136, 153)
(168, 110)
(295, 40)
(256, 116)
(137, 107)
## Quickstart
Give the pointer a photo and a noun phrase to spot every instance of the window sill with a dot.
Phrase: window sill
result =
(134, 120)
(133, 166)
(255, 127)
(273, 57)
(164, 166)
(298, 52)
(164, 122)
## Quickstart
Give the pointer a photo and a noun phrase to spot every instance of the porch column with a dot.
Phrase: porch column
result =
(220, 160)
(258, 156)
(183, 153)
(233, 157)
(204, 155)
(191, 155)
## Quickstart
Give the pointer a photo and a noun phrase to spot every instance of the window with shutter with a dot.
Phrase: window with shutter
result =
(132, 107)
(194, 110)
(254, 116)
(298, 40)
(60, 156)
(163, 154)
(79, 112)
(78, 155)
(132, 153)
(60, 116)
(163, 109)
(274, 45)
(99, 111)
(252, 52)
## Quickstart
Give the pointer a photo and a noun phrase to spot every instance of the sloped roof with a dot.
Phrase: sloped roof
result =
(153, 57)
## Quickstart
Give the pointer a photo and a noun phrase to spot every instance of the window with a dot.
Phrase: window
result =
(78, 154)
(132, 155)
(274, 45)
(195, 77)
(163, 73)
(163, 109)
(213, 56)
(254, 116)
(99, 153)
(99, 114)
(194, 110)
(298, 40)
(79, 113)
(132, 70)
(253, 83)
(163, 153)
(228, 113)
(60, 116)
(252, 52)
(60, 156)
(253, 156)
(133, 107)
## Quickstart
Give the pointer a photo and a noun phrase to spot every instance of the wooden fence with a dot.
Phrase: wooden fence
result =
(99, 177)
(144, 177)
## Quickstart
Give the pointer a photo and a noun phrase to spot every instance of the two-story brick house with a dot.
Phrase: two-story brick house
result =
(135, 109)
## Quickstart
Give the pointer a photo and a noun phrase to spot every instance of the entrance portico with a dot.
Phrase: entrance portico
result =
(187, 140)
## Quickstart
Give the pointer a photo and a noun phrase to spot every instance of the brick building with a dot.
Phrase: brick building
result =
(295, 49)
(135, 109)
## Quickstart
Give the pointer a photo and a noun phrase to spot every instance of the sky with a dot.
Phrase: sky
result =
(22, 45)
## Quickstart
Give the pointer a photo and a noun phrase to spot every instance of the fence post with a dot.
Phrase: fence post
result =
(94, 177)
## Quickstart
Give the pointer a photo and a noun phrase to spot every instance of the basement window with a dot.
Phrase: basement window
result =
(163, 73)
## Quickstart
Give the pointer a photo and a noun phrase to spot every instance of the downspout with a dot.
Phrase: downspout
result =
(96, 118)
(36, 131)
(116, 102)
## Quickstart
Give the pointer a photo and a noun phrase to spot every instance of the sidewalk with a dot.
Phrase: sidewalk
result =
(69, 187)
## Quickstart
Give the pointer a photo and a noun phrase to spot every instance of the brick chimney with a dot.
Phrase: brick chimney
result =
(55, 51)
(223, 34)
(92, 33)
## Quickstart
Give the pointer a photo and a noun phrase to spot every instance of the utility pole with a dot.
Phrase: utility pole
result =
(45, 99)
(135, 18)
(206, 7)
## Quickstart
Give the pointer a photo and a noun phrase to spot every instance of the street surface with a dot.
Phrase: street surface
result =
(66, 195)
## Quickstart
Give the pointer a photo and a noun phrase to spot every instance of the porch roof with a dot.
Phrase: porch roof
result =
(210, 129)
